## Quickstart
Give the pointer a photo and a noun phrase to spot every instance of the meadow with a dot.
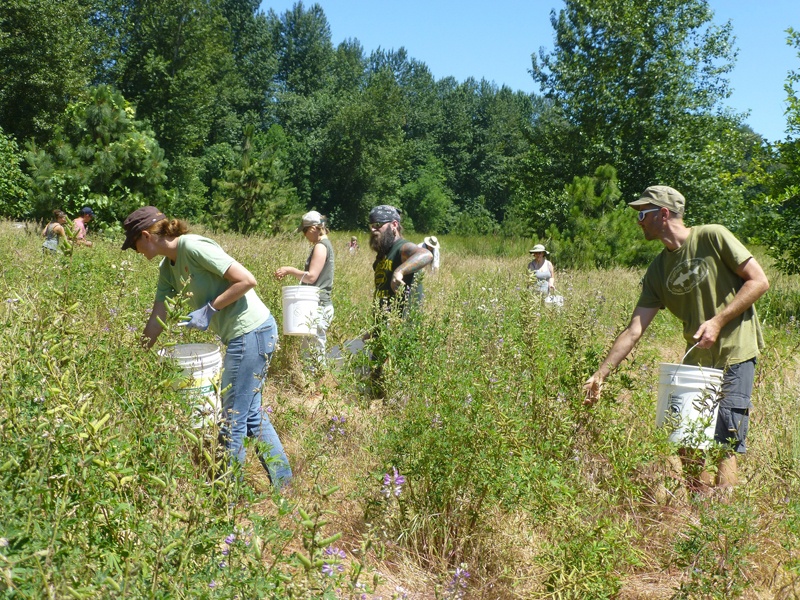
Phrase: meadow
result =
(477, 473)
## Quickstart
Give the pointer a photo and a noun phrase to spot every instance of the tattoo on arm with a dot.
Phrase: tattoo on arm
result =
(418, 259)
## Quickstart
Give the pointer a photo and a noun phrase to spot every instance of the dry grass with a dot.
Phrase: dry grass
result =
(511, 545)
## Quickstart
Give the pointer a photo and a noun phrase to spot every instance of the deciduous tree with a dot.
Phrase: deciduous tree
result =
(633, 76)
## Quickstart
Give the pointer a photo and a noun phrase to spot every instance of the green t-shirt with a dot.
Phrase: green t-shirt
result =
(202, 263)
(696, 282)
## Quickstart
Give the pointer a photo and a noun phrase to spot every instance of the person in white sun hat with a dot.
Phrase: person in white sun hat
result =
(431, 244)
(542, 270)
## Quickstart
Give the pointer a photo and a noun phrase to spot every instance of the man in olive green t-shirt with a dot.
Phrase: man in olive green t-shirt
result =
(710, 281)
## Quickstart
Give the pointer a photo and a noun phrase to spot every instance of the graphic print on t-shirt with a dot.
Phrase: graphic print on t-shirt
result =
(686, 276)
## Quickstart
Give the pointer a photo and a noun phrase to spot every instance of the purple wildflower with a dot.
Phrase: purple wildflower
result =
(337, 427)
(457, 586)
(393, 483)
(230, 539)
(334, 551)
(331, 569)
(213, 584)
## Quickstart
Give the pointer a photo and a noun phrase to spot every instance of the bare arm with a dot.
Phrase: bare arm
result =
(153, 328)
(414, 259)
(755, 285)
(241, 281)
(552, 281)
(318, 256)
(641, 319)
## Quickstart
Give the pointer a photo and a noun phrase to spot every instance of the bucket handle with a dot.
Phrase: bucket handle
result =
(672, 379)
(689, 350)
(303, 276)
(674, 375)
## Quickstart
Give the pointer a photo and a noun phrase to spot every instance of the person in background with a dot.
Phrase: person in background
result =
(54, 233)
(542, 270)
(710, 281)
(319, 269)
(352, 246)
(222, 293)
(397, 260)
(431, 244)
(80, 223)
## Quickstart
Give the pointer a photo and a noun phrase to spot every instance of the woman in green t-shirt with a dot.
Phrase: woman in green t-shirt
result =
(224, 297)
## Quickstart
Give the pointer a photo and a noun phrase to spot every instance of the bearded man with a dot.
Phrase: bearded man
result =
(397, 260)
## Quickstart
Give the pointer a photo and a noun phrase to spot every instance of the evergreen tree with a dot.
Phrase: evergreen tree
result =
(102, 157)
(255, 196)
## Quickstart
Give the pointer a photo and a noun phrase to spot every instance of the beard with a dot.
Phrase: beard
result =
(382, 241)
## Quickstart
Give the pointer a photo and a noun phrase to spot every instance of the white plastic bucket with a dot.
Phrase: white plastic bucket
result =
(300, 304)
(201, 365)
(554, 300)
(687, 394)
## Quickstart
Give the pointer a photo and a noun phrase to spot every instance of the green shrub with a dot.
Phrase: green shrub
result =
(14, 201)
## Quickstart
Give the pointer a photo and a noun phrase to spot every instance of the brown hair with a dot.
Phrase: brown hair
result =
(57, 214)
(322, 226)
(168, 228)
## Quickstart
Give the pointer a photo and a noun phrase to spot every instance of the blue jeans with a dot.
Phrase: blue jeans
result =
(245, 369)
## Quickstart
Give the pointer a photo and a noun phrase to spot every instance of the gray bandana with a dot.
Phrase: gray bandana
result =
(384, 213)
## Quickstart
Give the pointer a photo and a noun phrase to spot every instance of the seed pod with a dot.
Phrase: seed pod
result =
(303, 560)
(329, 540)
(179, 515)
(257, 547)
(96, 425)
(158, 481)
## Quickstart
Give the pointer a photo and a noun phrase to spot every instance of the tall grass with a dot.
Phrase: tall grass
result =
(477, 473)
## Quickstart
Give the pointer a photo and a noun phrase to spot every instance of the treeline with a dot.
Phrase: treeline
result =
(224, 114)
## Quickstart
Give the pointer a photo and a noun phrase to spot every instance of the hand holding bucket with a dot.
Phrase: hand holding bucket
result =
(684, 394)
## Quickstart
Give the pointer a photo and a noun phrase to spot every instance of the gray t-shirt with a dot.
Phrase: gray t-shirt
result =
(325, 280)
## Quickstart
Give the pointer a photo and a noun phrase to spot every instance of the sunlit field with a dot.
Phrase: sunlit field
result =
(474, 472)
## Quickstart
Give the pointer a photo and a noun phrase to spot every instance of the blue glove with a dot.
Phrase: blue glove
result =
(200, 318)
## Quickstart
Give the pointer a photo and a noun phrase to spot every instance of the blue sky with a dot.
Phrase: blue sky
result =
(495, 39)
